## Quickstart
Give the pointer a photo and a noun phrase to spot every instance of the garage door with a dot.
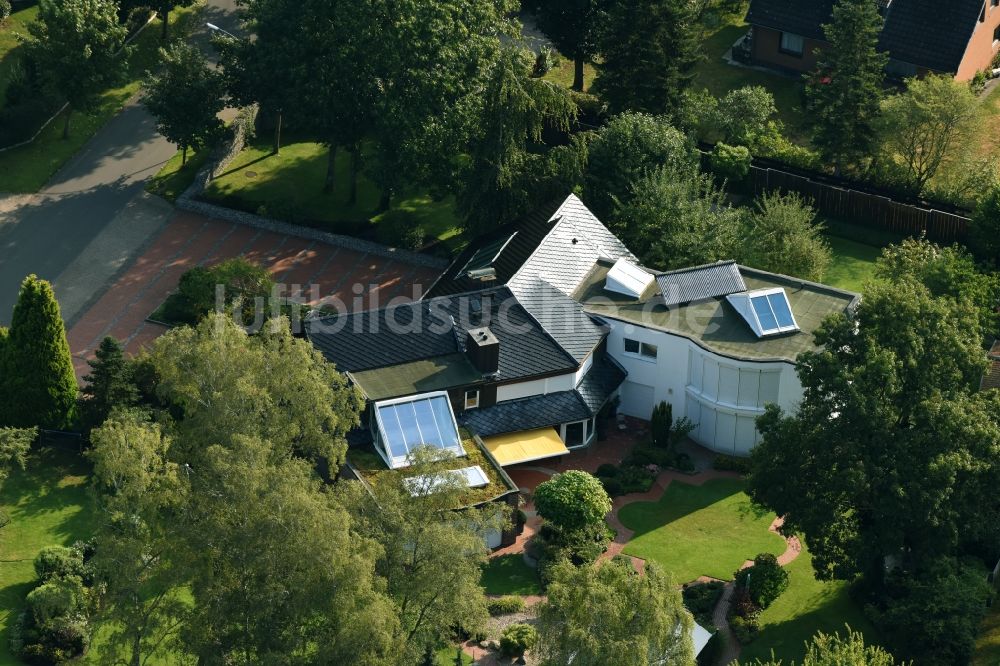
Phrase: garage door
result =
(637, 400)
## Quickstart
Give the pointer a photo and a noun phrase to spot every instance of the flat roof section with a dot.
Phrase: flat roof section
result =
(432, 374)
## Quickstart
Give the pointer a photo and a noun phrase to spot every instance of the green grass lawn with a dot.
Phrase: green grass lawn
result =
(173, 179)
(28, 168)
(988, 642)
(48, 504)
(808, 606)
(707, 530)
(290, 186)
(853, 263)
(446, 657)
(719, 77)
(508, 574)
(10, 45)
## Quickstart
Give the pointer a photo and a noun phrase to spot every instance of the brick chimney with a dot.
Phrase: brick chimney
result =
(483, 349)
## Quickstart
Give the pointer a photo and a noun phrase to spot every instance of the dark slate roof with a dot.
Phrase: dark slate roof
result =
(562, 318)
(927, 33)
(366, 340)
(803, 17)
(524, 236)
(535, 412)
(603, 379)
(930, 33)
(690, 285)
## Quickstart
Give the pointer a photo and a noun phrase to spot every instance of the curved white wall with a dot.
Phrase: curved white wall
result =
(721, 395)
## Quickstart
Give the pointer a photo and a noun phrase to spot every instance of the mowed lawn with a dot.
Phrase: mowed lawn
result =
(289, 186)
(853, 263)
(988, 642)
(48, 504)
(10, 45)
(508, 574)
(707, 530)
(806, 607)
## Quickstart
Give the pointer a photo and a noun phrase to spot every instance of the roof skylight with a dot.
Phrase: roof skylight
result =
(767, 311)
(425, 484)
(405, 424)
(627, 279)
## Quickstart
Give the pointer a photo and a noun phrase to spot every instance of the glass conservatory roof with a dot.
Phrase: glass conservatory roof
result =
(419, 420)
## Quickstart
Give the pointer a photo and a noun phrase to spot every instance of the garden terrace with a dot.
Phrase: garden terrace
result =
(371, 469)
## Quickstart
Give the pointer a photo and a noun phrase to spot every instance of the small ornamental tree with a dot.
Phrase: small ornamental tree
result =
(782, 236)
(42, 385)
(837, 650)
(572, 501)
(185, 97)
(660, 424)
(517, 639)
(765, 581)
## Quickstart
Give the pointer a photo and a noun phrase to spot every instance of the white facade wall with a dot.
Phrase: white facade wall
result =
(721, 395)
(536, 387)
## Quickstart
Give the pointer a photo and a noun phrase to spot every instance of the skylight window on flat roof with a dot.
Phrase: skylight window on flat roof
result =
(425, 484)
(627, 279)
(766, 311)
(405, 424)
(485, 256)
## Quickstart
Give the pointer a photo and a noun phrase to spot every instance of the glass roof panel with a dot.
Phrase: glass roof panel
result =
(425, 420)
(782, 311)
(446, 423)
(393, 432)
(764, 314)
(408, 423)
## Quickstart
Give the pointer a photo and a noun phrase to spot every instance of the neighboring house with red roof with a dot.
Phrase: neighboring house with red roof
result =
(958, 37)
(991, 378)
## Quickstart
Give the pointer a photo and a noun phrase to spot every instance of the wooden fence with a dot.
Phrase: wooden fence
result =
(863, 207)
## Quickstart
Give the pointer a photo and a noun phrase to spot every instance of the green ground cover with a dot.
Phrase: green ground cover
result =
(508, 574)
(290, 186)
(28, 168)
(446, 657)
(173, 179)
(808, 606)
(48, 504)
(10, 45)
(988, 643)
(853, 263)
(707, 530)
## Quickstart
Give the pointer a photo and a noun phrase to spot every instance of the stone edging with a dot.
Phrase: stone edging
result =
(189, 201)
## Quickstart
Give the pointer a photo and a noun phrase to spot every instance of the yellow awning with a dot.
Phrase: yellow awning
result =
(525, 446)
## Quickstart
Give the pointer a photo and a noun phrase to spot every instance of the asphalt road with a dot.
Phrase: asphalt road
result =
(88, 204)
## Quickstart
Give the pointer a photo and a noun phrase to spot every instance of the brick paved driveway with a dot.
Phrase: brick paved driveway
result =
(320, 271)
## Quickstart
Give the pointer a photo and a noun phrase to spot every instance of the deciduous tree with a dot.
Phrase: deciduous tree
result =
(782, 236)
(984, 231)
(648, 54)
(845, 91)
(627, 148)
(574, 27)
(78, 47)
(837, 650)
(185, 97)
(609, 614)
(919, 128)
(14, 445)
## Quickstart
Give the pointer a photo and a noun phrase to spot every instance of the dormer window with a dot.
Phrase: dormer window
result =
(627, 279)
(480, 265)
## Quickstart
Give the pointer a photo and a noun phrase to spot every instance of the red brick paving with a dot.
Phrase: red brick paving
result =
(189, 240)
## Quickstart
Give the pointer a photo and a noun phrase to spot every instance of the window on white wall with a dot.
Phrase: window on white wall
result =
(641, 349)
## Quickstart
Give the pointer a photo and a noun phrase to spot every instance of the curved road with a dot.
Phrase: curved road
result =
(86, 223)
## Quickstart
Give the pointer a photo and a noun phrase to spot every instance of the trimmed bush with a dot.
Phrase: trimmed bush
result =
(612, 486)
(572, 500)
(58, 562)
(746, 630)
(730, 162)
(765, 581)
(54, 599)
(505, 605)
(607, 470)
(400, 228)
(731, 464)
(517, 639)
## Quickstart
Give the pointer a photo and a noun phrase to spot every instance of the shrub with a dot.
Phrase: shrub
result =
(545, 61)
(4, 10)
(573, 500)
(701, 599)
(505, 605)
(607, 470)
(684, 463)
(646, 454)
(730, 162)
(400, 228)
(242, 281)
(978, 82)
(58, 562)
(741, 605)
(746, 630)
(612, 486)
(660, 424)
(517, 639)
(731, 464)
(54, 599)
(765, 581)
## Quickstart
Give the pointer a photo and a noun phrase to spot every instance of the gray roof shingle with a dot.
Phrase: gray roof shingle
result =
(690, 285)
(562, 318)
(397, 335)
(600, 382)
(527, 414)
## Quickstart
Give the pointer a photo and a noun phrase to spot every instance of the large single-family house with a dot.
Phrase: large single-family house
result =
(958, 37)
(534, 330)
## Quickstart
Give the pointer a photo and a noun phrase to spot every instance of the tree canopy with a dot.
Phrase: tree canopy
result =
(609, 614)
(110, 384)
(573, 500)
(782, 236)
(185, 97)
(574, 26)
(837, 650)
